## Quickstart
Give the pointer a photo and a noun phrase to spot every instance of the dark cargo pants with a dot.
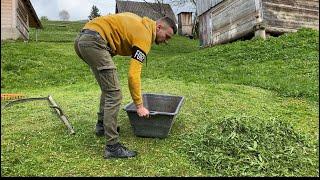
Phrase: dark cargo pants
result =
(94, 51)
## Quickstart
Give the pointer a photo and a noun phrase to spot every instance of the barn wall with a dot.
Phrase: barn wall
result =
(15, 17)
(6, 13)
(229, 20)
(289, 15)
(23, 19)
(232, 19)
(205, 26)
(8, 20)
(205, 5)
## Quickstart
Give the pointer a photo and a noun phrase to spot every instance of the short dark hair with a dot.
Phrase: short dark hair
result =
(170, 23)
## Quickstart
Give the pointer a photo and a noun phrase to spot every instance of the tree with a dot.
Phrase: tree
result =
(64, 15)
(94, 12)
(44, 18)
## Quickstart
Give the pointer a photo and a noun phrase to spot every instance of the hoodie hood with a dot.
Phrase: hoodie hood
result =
(151, 26)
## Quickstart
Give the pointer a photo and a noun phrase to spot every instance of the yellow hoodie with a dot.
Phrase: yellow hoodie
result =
(127, 34)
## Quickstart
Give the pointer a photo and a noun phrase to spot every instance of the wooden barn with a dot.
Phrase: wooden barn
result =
(152, 10)
(222, 21)
(185, 23)
(17, 16)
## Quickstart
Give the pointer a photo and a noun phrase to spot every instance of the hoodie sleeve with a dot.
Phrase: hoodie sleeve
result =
(134, 81)
(141, 45)
(139, 56)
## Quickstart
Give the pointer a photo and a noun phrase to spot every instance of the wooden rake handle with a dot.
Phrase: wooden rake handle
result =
(61, 115)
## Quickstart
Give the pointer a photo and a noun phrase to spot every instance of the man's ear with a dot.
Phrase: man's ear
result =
(158, 27)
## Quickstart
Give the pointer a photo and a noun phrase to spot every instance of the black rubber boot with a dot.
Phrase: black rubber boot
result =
(118, 151)
(99, 128)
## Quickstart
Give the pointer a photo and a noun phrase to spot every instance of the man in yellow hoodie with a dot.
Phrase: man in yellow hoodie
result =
(124, 34)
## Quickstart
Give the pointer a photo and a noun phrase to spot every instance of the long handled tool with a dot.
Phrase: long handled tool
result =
(54, 105)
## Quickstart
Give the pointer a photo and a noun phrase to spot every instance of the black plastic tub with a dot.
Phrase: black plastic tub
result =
(163, 110)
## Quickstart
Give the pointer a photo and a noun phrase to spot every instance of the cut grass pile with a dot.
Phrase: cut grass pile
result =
(251, 146)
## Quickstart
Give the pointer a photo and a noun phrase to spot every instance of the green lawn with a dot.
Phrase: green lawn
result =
(251, 108)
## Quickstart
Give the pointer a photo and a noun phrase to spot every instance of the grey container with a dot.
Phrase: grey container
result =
(163, 110)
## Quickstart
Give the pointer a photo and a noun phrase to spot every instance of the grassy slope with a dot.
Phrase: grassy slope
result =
(233, 79)
(287, 65)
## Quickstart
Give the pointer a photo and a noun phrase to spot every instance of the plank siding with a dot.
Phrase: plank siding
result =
(17, 16)
(6, 15)
(230, 19)
(228, 13)
(234, 31)
(290, 15)
(8, 19)
(185, 23)
(306, 4)
(205, 5)
(205, 30)
(227, 20)
(22, 20)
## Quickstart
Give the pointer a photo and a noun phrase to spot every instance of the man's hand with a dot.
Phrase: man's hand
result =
(142, 111)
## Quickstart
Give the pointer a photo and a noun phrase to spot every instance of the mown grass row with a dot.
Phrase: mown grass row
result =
(287, 65)
(251, 146)
(251, 109)
(36, 143)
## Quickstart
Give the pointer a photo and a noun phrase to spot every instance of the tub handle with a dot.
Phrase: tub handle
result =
(152, 113)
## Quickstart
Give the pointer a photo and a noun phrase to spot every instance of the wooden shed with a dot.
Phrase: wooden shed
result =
(17, 16)
(222, 21)
(152, 10)
(185, 23)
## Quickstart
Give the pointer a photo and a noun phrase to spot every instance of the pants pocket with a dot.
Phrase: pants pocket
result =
(108, 78)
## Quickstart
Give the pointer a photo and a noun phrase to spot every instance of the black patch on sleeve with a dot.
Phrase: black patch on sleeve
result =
(138, 54)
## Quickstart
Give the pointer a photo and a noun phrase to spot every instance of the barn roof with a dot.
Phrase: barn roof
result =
(152, 10)
(34, 20)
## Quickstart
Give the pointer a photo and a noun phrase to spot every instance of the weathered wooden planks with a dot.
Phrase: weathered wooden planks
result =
(185, 23)
(205, 5)
(17, 16)
(290, 14)
(226, 20)
(229, 20)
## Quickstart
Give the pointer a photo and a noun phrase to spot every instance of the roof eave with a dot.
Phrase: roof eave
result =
(38, 24)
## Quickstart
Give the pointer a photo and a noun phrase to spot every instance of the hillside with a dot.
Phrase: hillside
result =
(287, 65)
(251, 108)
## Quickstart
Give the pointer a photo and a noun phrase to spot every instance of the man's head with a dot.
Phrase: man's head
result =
(165, 29)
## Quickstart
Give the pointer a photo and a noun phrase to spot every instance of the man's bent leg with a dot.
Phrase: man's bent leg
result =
(111, 110)
(93, 51)
(111, 94)
(99, 125)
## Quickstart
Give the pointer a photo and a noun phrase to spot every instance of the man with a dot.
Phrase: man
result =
(124, 34)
